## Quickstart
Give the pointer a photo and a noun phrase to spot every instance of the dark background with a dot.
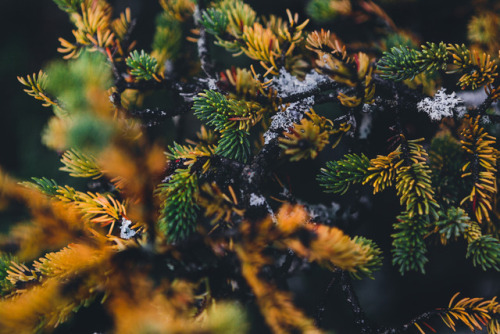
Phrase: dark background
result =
(29, 40)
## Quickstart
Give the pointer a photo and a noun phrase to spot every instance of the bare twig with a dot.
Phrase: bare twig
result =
(359, 316)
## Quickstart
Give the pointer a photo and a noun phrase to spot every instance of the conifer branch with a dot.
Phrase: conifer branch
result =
(481, 167)
(352, 299)
(171, 237)
(202, 43)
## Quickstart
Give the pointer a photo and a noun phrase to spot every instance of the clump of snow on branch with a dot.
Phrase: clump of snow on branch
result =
(442, 105)
(125, 231)
(287, 84)
(475, 98)
(210, 82)
(257, 200)
(323, 213)
(285, 119)
(472, 98)
(366, 125)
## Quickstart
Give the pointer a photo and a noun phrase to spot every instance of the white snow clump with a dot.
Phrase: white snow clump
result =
(287, 84)
(125, 231)
(442, 105)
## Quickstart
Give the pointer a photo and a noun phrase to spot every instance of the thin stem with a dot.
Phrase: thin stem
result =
(203, 52)
(411, 324)
(322, 306)
(359, 316)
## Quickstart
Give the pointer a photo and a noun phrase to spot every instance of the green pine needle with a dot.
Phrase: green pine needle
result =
(399, 64)
(453, 223)
(179, 211)
(234, 144)
(79, 164)
(409, 246)
(5, 284)
(433, 57)
(339, 175)
(143, 65)
(69, 6)
(212, 108)
(321, 11)
(215, 21)
(485, 252)
(375, 262)
(47, 186)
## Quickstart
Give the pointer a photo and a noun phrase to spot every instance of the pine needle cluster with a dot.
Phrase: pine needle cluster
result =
(197, 234)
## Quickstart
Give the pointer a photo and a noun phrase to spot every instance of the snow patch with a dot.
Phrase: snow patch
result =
(472, 98)
(212, 84)
(321, 212)
(285, 119)
(167, 178)
(366, 126)
(442, 105)
(287, 84)
(257, 200)
(125, 231)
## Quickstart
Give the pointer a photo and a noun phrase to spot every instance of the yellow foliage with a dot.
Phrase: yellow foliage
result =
(382, 171)
(181, 10)
(71, 261)
(484, 29)
(47, 304)
(79, 164)
(245, 83)
(276, 306)
(217, 204)
(477, 142)
(56, 133)
(478, 68)
(309, 137)
(22, 313)
(323, 41)
(292, 230)
(36, 88)
(97, 31)
(328, 246)
(240, 15)
(325, 245)
(53, 224)
(471, 311)
(262, 44)
(93, 29)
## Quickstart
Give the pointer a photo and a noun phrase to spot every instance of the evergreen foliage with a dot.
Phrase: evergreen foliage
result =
(69, 6)
(375, 255)
(212, 108)
(143, 65)
(453, 223)
(400, 63)
(78, 164)
(409, 251)
(215, 21)
(167, 39)
(179, 211)
(44, 185)
(234, 144)
(339, 175)
(484, 252)
(5, 285)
